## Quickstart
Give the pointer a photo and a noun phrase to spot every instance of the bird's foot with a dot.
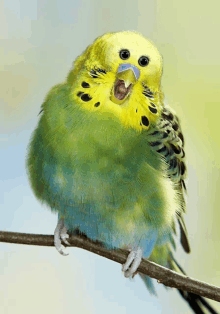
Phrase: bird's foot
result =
(60, 234)
(133, 261)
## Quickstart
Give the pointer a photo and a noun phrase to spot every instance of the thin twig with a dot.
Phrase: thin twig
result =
(163, 275)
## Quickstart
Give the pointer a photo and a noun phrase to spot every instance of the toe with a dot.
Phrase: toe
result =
(60, 234)
(61, 249)
(64, 235)
(132, 263)
(64, 238)
(129, 260)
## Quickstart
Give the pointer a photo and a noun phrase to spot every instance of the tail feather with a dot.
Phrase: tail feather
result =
(197, 303)
(148, 283)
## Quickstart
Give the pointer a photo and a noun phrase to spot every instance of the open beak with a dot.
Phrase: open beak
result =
(126, 77)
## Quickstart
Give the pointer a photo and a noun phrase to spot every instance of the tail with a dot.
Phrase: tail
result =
(197, 303)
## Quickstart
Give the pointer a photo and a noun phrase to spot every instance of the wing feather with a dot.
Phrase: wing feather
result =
(167, 139)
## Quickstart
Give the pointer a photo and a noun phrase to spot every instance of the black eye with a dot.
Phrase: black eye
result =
(124, 54)
(143, 61)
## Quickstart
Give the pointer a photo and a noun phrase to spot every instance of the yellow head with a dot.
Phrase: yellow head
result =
(120, 73)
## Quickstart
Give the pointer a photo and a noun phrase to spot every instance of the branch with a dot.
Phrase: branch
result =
(163, 275)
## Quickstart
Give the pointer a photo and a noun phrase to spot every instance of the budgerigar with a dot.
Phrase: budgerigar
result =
(108, 155)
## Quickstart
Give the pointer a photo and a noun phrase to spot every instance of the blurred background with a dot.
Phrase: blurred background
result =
(39, 41)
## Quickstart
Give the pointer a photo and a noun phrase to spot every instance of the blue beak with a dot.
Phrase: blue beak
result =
(127, 66)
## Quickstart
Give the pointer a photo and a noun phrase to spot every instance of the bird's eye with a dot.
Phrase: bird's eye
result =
(124, 54)
(143, 61)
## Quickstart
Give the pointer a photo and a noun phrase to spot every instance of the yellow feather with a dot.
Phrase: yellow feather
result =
(103, 54)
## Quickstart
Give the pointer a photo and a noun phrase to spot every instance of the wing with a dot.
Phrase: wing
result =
(166, 138)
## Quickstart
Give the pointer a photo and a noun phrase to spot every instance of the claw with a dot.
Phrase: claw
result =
(134, 274)
(60, 233)
(133, 261)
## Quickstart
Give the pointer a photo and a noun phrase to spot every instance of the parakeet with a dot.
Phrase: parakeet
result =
(108, 155)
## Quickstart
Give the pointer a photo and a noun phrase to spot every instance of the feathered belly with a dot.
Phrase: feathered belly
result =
(120, 204)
